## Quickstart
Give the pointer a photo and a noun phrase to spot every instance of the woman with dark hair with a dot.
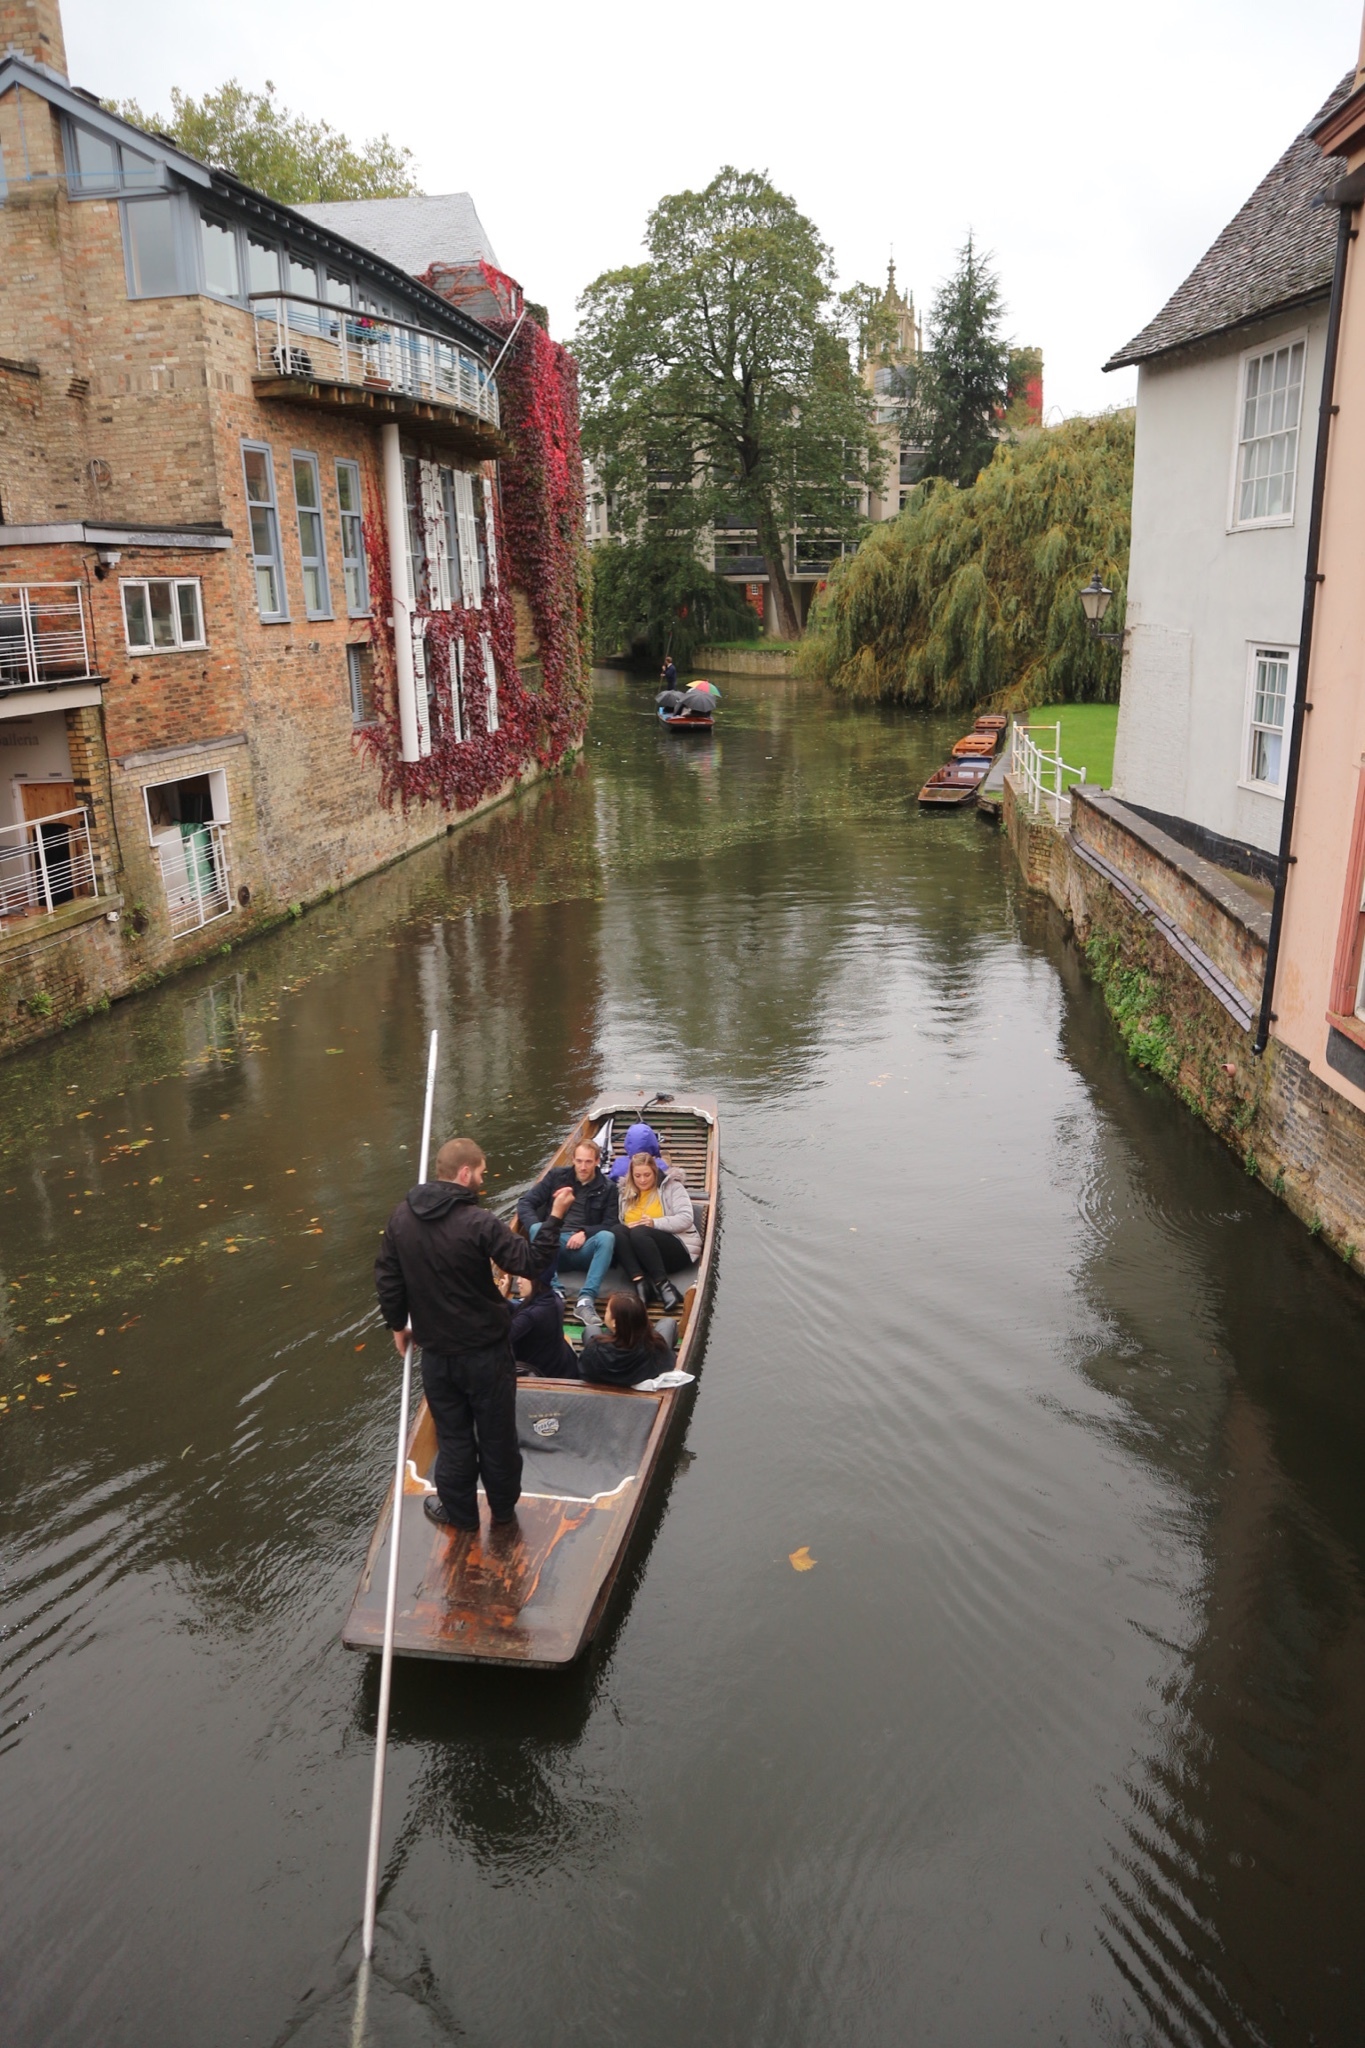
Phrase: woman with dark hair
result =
(632, 1352)
(657, 1232)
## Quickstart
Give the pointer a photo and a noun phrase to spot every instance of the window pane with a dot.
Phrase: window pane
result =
(305, 484)
(187, 599)
(1265, 757)
(151, 247)
(137, 168)
(303, 279)
(348, 496)
(257, 468)
(338, 289)
(96, 162)
(262, 266)
(220, 258)
(267, 598)
(163, 617)
(135, 615)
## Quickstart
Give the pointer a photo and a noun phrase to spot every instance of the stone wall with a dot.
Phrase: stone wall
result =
(1299, 1137)
(744, 661)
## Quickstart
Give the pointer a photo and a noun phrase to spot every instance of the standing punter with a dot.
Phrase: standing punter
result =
(434, 1270)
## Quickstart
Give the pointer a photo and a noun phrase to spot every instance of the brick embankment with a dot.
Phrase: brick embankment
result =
(1179, 951)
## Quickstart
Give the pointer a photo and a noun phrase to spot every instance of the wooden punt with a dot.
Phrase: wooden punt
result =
(534, 1596)
(957, 783)
(984, 741)
(679, 721)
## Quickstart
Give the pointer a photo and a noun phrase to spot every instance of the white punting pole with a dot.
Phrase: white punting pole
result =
(391, 1602)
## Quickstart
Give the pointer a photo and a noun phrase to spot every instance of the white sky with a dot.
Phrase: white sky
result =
(1096, 150)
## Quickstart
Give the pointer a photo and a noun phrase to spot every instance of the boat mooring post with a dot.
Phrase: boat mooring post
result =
(391, 1602)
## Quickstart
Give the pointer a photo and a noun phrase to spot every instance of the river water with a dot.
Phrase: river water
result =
(1059, 1738)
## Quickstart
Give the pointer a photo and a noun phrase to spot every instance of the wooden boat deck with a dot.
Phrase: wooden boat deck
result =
(533, 1595)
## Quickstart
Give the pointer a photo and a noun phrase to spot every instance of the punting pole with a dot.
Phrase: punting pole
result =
(381, 1742)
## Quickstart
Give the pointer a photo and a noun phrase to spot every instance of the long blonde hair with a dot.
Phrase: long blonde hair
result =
(633, 1193)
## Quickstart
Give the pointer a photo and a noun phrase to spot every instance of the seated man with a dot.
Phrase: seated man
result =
(586, 1240)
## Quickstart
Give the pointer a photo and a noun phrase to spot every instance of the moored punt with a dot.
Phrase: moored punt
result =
(984, 740)
(534, 1595)
(957, 783)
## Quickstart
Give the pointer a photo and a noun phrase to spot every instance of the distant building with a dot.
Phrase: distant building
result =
(882, 370)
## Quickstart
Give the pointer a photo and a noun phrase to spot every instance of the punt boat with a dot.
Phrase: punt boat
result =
(535, 1596)
(682, 721)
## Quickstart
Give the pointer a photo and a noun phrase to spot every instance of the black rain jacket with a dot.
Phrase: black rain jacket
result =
(595, 1201)
(434, 1267)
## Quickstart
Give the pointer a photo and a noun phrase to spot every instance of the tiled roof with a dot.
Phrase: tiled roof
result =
(1277, 252)
(411, 233)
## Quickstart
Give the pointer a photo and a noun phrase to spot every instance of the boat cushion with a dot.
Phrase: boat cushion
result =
(578, 1443)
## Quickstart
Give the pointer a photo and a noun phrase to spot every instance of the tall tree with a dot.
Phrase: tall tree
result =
(716, 384)
(960, 387)
(285, 155)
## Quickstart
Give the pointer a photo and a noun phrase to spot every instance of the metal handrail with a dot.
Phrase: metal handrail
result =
(43, 639)
(371, 348)
(49, 862)
(1042, 771)
(195, 875)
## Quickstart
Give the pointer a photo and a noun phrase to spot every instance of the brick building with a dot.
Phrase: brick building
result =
(249, 573)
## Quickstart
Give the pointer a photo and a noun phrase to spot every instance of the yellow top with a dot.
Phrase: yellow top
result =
(639, 1204)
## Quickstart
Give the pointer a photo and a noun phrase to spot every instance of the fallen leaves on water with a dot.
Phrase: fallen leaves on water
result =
(801, 1560)
(333, 1048)
(43, 1378)
(58, 1319)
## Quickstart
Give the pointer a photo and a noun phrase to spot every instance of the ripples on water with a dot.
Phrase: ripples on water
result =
(1060, 1740)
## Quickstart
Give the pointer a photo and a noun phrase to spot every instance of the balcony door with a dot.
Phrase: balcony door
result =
(61, 854)
(46, 799)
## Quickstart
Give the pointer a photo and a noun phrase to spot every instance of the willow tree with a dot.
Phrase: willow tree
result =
(716, 384)
(974, 594)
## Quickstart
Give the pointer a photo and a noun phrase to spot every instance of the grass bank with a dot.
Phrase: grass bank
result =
(1087, 736)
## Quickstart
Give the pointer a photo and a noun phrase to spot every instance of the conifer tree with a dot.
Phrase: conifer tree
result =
(960, 387)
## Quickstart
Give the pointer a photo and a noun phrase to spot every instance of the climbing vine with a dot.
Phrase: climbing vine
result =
(539, 548)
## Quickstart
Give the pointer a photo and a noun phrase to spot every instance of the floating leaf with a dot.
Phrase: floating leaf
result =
(43, 1378)
(801, 1560)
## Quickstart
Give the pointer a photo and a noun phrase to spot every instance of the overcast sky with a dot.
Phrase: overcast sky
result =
(1095, 150)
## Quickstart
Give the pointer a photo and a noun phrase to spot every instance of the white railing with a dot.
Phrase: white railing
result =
(1041, 771)
(45, 863)
(43, 636)
(297, 337)
(195, 875)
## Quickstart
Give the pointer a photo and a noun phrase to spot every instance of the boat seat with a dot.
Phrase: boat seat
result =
(617, 1281)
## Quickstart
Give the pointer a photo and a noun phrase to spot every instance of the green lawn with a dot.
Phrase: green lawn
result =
(1087, 736)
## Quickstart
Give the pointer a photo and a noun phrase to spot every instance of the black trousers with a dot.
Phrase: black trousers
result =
(472, 1396)
(655, 1253)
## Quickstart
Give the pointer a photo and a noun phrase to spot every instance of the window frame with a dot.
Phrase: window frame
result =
(1258, 650)
(1272, 346)
(259, 561)
(208, 218)
(175, 584)
(156, 182)
(314, 511)
(188, 260)
(353, 526)
(357, 685)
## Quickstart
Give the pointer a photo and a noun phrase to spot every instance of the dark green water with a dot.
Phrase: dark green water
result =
(1060, 1740)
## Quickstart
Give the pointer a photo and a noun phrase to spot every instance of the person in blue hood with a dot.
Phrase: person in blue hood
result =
(639, 1138)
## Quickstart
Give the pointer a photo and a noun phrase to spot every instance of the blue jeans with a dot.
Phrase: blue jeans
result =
(595, 1253)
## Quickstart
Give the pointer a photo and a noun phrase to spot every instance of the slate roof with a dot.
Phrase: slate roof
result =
(411, 233)
(1276, 253)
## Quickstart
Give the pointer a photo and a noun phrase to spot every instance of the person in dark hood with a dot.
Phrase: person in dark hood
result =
(435, 1269)
(538, 1342)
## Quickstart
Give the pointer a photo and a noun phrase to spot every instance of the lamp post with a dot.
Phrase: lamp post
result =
(1096, 598)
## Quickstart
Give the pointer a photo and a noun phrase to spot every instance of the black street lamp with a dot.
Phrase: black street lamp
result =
(1096, 598)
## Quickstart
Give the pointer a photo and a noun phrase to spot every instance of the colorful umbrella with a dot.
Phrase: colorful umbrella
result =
(709, 688)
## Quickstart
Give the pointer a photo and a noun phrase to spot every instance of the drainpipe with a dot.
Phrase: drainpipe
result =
(396, 521)
(1347, 199)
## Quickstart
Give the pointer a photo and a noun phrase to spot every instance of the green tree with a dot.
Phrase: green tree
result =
(974, 594)
(716, 382)
(285, 155)
(958, 391)
(653, 596)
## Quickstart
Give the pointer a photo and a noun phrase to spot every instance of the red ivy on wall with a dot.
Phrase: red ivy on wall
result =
(540, 549)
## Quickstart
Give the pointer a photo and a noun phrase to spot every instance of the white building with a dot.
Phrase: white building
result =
(1229, 376)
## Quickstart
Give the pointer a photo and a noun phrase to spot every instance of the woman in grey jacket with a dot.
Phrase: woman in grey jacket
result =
(656, 1235)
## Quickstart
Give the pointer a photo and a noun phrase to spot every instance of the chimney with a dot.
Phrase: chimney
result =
(34, 28)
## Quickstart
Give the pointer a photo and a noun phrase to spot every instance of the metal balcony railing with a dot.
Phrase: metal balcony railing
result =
(43, 636)
(195, 875)
(298, 337)
(44, 864)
